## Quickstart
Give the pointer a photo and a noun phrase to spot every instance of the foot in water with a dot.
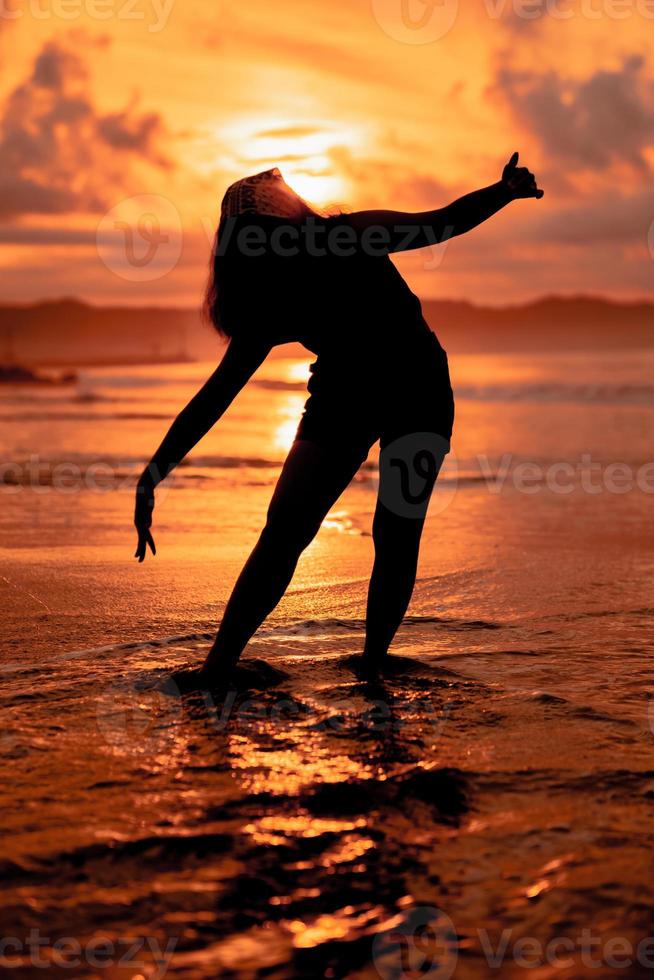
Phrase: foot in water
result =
(243, 677)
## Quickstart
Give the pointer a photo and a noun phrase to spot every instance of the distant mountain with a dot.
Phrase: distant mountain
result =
(550, 323)
(70, 332)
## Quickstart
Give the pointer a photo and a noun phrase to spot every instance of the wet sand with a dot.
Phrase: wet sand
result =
(497, 787)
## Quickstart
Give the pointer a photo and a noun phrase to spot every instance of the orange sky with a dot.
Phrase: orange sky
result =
(115, 110)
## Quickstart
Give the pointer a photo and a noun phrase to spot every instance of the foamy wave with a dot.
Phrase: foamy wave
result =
(606, 394)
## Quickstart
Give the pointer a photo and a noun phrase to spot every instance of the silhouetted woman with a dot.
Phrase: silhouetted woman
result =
(282, 272)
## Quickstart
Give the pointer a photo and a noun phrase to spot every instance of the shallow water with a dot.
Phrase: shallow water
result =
(497, 787)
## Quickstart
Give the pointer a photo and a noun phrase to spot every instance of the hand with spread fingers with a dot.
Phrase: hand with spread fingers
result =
(520, 181)
(143, 518)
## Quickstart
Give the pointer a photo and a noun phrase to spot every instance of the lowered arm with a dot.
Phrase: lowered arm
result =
(239, 363)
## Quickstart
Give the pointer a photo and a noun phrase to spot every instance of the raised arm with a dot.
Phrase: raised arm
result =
(239, 363)
(404, 230)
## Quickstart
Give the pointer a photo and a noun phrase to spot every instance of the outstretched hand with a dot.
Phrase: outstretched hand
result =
(519, 180)
(143, 519)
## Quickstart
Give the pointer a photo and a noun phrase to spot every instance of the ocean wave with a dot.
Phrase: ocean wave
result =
(273, 384)
(313, 627)
(559, 392)
(309, 628)
(117, 388)
(47, 470)
(85, 416)
(231, 462)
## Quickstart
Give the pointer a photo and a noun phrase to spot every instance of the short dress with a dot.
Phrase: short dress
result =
(380, 372)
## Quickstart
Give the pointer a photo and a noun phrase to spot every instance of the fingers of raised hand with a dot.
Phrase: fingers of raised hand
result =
(519, 174)
(510, 167)
(523, 183)
(513, 162)
(529, 187)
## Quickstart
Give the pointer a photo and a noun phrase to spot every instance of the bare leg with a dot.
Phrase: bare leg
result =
(312, 479)
(397, 546)
(397, 529)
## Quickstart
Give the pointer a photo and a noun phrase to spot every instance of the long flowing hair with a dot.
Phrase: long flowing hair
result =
(234, 280)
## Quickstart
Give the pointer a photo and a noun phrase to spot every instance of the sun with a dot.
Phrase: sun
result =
(301, 150)
(320, 189)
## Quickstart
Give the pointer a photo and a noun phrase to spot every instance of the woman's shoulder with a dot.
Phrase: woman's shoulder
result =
(312, 237)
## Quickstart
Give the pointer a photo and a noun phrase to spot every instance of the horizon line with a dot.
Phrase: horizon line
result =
(607, 298)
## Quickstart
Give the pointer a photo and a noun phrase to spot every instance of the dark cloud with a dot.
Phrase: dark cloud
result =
(11, 234)
(594, 122)
(22, 195)
(57, 69)
(58, 153)
(139, 134)
(615, 219)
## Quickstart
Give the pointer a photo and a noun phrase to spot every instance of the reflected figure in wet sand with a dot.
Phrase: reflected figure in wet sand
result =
(283, 272)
